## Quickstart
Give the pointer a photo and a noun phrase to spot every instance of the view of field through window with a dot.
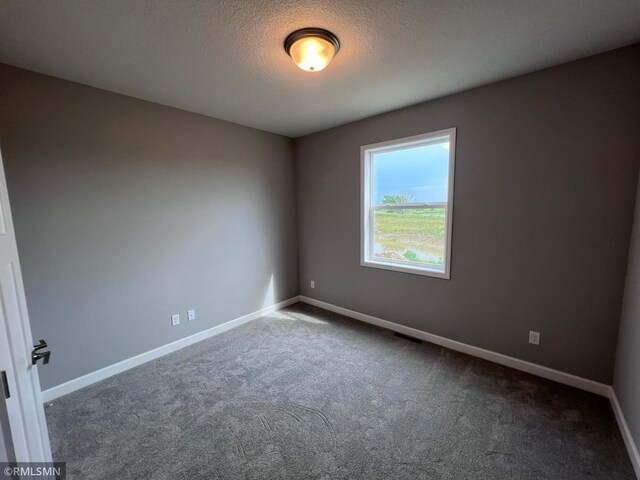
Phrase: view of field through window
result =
(405, 229)
(410, 235)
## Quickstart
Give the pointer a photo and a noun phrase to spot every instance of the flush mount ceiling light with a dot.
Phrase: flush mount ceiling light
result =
(312, 48)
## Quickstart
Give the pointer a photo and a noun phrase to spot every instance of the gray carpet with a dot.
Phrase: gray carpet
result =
(304, 393)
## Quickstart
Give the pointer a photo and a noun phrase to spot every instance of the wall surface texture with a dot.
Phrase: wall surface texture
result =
(545, 184)
(626, 378)
(127, 212)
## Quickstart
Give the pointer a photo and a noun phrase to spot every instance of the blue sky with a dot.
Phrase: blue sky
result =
(421, 171)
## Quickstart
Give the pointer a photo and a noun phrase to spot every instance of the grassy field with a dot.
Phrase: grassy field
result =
(415, 235)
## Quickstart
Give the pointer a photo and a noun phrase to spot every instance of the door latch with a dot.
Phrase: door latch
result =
(37, 355)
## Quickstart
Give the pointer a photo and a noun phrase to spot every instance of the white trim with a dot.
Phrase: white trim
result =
(406, 267)
(367, 205)
(408, 206)
(106, 372)
(516, 363)
(632, 448)
(28, 437)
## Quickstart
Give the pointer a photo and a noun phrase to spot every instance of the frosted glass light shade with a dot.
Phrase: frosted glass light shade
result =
(312, 48)
(312, 53)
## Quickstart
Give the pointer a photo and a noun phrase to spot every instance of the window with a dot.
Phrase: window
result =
(407, 204)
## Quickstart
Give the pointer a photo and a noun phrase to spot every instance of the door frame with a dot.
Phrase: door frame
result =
(24, 407)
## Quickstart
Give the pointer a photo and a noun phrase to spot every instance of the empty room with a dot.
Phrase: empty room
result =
(295, 239)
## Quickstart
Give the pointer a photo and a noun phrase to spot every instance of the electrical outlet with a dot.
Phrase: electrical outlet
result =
(534, 338)
(191, 314)
(175, 320)
(313, 284)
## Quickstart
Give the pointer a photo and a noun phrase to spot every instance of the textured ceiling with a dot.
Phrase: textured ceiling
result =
(224, 58)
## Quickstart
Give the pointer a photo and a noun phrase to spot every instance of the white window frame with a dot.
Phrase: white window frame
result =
(367, 206)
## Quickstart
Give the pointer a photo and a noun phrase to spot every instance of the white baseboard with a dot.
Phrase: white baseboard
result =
(106, 372)
(535, 369)
(629, 442)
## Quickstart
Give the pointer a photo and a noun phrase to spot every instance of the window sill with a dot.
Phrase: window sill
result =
(427, 272)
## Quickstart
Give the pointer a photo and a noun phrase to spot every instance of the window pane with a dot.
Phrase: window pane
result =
(410, 235)
(406, 206)
(412, 175)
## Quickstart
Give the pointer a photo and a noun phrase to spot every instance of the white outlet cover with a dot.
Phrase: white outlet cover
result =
(534, 338)
(191, 314)
(175, 319)
(313, 284)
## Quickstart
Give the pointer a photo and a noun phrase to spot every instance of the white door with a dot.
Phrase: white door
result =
(21, 410)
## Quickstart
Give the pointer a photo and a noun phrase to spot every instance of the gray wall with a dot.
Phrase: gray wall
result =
(545, 184)
(626, 379)
(126, 212)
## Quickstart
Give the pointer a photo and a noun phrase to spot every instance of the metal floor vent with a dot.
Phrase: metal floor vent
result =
(407, 337)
